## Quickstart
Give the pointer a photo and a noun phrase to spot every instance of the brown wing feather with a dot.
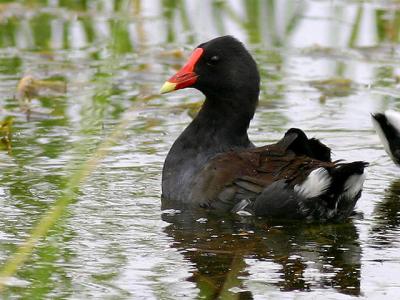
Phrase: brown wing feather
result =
(251, 172)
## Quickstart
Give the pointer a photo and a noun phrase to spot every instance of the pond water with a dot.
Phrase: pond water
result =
(96, 66)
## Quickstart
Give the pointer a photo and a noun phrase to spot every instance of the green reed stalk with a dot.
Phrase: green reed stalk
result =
(79, 177)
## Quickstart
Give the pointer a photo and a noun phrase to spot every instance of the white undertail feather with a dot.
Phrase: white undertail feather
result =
(353, 186)
(382, 135)
(317, 183)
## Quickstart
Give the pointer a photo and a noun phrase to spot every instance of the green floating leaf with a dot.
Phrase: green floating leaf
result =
(192, 108)
(5, 133)
(334, 87)
(29, 87)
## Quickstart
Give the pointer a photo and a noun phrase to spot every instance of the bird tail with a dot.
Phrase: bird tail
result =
(326, 194)
(387, 126)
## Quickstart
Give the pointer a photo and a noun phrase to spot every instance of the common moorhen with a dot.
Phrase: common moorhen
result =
(214, 165)
(387, 125)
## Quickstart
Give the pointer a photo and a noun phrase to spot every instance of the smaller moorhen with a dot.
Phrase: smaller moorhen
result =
(214, 165)
(387, 125)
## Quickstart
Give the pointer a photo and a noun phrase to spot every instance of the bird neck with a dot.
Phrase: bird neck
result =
(223, 122)
(218, 127)
(221, 125)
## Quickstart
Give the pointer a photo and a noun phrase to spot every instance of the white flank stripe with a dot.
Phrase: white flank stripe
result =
(240, 206)
(317, 182)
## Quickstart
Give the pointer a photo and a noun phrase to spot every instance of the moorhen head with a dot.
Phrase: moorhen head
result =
(222, 69)
(213, 165)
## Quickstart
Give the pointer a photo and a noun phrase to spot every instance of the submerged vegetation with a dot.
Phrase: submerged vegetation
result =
(83, 135)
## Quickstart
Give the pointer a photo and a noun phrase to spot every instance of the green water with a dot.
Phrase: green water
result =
(325, 65)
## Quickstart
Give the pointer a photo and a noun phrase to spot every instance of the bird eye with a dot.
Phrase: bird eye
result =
(213, 60)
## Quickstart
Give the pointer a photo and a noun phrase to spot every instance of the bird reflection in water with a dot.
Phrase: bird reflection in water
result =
(385, 230)
(220, 247)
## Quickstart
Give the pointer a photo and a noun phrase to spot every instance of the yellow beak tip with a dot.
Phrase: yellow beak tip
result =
(167, 87)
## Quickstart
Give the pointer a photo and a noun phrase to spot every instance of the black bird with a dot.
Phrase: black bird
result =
(214, 165)
(387, 125)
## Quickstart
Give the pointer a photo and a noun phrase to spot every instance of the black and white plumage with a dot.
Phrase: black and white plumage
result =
(387, 126)
(213, 164)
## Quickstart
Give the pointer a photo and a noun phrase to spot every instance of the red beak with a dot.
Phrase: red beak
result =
(186, 76)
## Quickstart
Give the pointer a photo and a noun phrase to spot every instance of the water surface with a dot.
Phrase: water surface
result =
(325, 65)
